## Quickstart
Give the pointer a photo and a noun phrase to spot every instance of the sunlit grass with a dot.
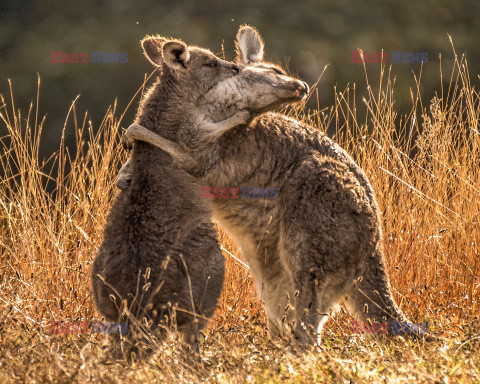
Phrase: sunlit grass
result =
(424, 168)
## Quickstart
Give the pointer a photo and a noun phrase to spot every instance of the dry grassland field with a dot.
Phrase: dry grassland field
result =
(424, 168)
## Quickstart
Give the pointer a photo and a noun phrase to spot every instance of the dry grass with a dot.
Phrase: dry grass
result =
(424, 168)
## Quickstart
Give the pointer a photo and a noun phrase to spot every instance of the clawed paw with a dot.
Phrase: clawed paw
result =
(127, 144)
(130, 135)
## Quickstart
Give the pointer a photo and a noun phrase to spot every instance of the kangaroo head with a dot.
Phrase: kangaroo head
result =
(187, 71)
(205, 96)
(259, 87)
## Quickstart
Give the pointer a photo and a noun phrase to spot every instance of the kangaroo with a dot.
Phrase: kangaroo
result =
(318, 243)
(160, 252)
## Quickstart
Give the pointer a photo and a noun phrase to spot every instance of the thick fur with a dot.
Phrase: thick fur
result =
(320, 241)
(159, 216)
(159, 223)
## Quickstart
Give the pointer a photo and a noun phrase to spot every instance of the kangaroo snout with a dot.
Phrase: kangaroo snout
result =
(302, 90)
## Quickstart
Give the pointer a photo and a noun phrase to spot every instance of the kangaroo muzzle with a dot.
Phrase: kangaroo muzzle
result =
(302, 90)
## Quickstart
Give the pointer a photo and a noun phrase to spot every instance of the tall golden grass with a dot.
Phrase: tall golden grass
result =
(424, 167)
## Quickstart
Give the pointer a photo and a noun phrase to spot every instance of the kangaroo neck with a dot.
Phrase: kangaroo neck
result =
(228, 161)
(151, 167)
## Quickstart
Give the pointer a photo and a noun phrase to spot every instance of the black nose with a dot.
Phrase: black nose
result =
(306, 87)
(235, 68)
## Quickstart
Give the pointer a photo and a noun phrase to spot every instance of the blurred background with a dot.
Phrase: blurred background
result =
(301, 35)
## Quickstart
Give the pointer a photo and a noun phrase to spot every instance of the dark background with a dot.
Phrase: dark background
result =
(304, 35)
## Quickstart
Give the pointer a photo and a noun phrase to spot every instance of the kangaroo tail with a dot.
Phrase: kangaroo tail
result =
(370, 300)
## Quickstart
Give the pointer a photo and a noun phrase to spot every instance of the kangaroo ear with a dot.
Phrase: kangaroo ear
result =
(176, 54)
(249, 45)
(152, 47)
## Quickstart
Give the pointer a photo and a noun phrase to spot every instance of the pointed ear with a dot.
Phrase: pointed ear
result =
(152, 47)
(176, 54)
(249, 45)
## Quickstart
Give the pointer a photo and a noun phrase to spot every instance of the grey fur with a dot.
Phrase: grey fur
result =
(158, 222)
(320, 242)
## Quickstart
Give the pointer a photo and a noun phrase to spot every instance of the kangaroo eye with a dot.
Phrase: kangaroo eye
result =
(278, 71)
(211, 64)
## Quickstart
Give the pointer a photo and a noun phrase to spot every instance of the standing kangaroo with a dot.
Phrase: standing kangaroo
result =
(160, 249)
(320, 241)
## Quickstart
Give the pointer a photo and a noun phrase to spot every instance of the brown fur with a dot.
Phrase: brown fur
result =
(159, 221)
(320, 241)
